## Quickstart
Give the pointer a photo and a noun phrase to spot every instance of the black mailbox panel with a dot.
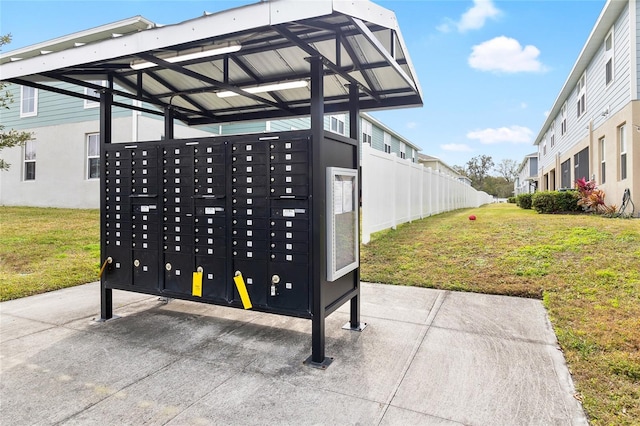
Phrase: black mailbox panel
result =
(183, 217)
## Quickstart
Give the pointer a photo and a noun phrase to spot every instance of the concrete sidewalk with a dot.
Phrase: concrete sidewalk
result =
(428, 357)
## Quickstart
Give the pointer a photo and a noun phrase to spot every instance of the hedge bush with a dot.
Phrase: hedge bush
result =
(524, 201)
(555, 202)
(567, 201)
(544, 202)
(511, 200)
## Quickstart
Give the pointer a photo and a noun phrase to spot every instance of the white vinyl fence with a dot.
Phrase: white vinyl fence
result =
(396, 191)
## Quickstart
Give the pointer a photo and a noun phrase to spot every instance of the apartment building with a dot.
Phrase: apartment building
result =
(593, 128)
(527, 175)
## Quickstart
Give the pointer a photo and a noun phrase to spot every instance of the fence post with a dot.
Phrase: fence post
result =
(394, 185)
(366, 197)
(421, 186)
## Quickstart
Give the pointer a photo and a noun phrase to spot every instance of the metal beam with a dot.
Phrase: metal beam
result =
(354, 58)
(106, 100)
(327, 63)
(317, 358)
(382, 51)
(79, 95)
(168, 123)
(354, 133)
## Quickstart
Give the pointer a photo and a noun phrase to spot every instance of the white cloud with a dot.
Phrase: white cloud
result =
(513, 134)
(504, 54)
(412, 125)
(473, 19)
(476, 16)
(457, 147)
(523, 105)
(445, 27)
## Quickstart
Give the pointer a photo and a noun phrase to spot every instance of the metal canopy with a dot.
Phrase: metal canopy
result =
(243, 51)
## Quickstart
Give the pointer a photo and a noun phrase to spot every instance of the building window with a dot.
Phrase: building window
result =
(565, 177)
(544, 148)
(337, 124)
(581, 88)
(603, 164)
(608, 57)
(563, 123)
(367, 131)
(403, 150)
(28, 101)
(552, 131)
(623, 152)
(30, 160)
(387, 143)
(93, 156)
(581, 165)
(93, 93)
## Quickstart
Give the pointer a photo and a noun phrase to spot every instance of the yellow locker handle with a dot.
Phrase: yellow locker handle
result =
(107, 261)
(196, 283)
(242, 290)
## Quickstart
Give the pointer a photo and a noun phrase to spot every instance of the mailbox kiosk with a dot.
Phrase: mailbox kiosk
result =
(185, 218)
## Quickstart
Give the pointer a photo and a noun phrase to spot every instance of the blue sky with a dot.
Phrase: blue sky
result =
(489, 70)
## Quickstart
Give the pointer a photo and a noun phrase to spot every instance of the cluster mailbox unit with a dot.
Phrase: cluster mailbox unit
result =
(183, 218)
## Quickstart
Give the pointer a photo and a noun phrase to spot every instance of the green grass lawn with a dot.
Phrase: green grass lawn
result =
(586, 269)
(47, 249)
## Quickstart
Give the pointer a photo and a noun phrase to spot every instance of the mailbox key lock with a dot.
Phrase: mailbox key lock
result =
(167, 266)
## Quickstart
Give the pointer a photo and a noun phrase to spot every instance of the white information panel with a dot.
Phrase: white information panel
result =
(342, 222)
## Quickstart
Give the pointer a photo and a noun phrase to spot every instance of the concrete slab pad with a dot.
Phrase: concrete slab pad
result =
(21, 349)
(511, 317)
(410, 304)
(66, 377)
(255, 399)
(14, 327)
(159, 397)
(427, 357)
(366, 364)
(68, 304)
(398, 416)
(173, 332)
(480, 379)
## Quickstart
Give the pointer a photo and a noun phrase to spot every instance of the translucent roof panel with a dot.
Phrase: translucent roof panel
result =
(246, 63)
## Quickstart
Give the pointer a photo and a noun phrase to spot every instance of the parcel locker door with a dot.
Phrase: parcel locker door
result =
(145, 269)
(178, 273)
(289, 287)
(255, 278)
(214, 277)
(118, 273)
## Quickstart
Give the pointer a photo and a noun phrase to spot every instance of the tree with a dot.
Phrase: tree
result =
(459, 170)
(498, 186)
(10, 138)
(508, 169)
(478, 169)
